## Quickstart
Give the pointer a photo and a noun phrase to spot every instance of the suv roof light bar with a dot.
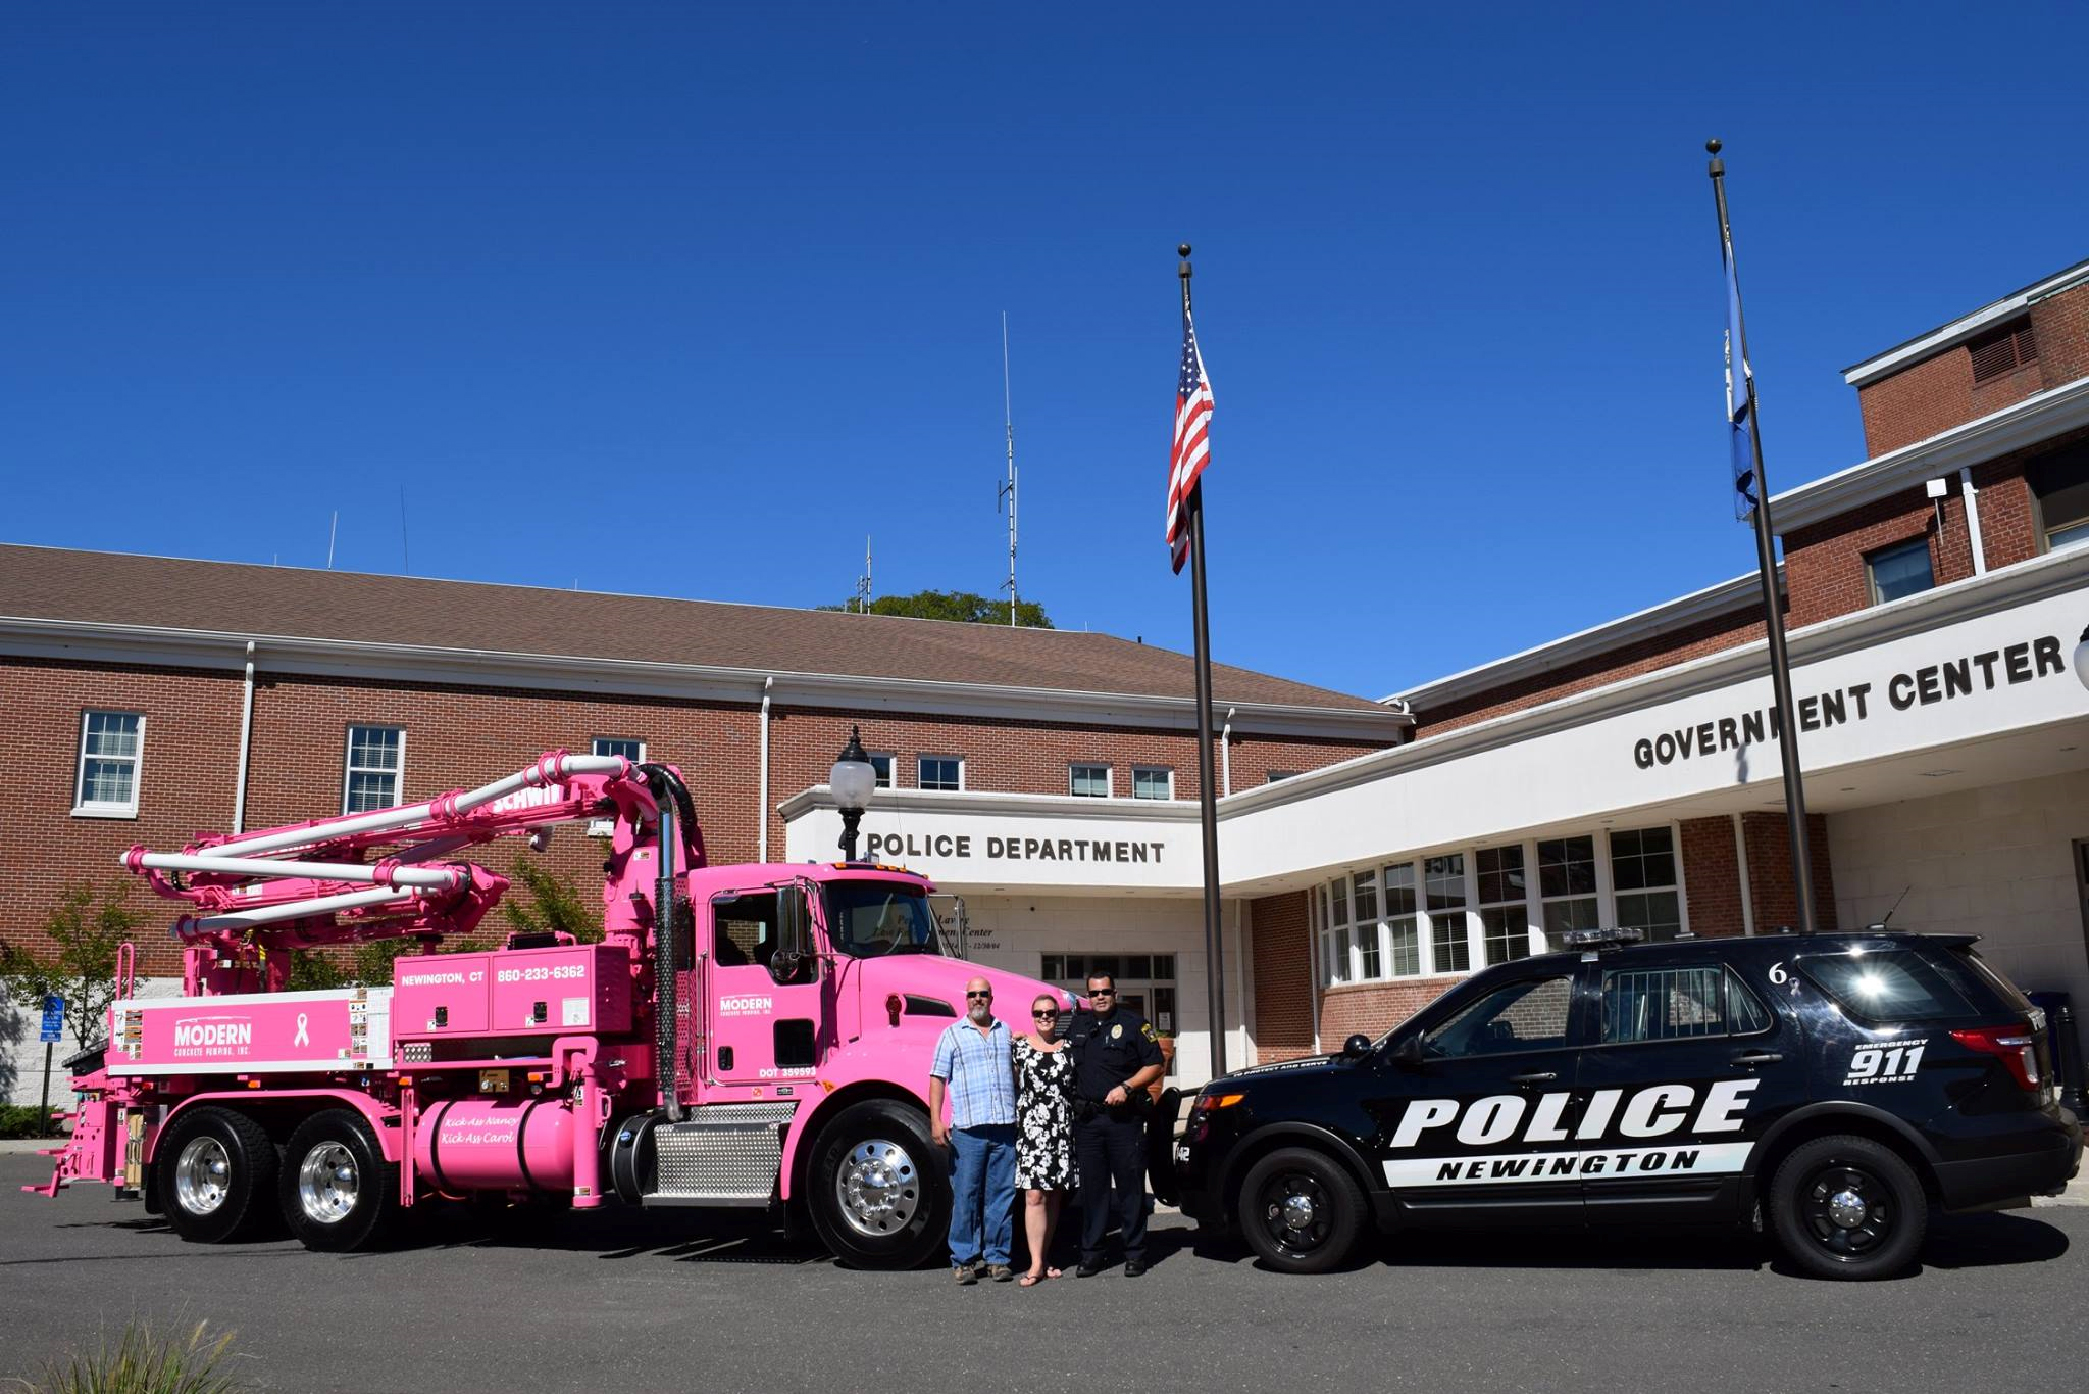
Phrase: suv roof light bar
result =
(1601, 938)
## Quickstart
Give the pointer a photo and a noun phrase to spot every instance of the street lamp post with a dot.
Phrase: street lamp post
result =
(852, 780)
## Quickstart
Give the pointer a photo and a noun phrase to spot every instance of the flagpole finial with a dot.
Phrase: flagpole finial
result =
(1718, 167)
(1713, 147)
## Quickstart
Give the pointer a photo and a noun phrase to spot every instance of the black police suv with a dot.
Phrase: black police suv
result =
(1831, 1088)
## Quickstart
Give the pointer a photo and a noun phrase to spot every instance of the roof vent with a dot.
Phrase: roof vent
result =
(2003, 350)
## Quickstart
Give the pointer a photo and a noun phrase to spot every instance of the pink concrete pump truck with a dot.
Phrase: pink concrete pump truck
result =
(765, 1042)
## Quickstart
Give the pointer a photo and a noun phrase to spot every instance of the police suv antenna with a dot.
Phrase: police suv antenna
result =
(1007, 491)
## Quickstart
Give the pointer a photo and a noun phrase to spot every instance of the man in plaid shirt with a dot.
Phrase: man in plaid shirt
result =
(974, 1067)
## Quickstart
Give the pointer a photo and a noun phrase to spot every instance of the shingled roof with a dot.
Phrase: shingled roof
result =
(164, 593)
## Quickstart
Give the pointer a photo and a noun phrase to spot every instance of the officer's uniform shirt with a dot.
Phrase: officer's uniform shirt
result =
(1108, 1050)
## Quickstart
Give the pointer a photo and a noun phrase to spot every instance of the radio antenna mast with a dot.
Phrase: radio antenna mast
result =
(1008, 492)
(863, 581)
(333, 530)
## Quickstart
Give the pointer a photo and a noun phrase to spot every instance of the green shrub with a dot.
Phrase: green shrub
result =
(144, 1360)
(19, 1120)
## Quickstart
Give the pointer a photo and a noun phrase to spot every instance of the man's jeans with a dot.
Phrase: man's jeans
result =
(982, 1187)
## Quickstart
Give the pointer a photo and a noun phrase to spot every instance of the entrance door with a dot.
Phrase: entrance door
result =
(760, 1030)
(1479, 1128)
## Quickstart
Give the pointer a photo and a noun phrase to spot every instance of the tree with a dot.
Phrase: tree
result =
(84, 933)
(554, 906)
(964, 607)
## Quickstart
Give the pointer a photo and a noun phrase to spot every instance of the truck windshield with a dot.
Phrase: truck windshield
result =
(874, 919)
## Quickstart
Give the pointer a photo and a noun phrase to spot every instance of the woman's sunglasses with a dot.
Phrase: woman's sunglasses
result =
(1048, 1014)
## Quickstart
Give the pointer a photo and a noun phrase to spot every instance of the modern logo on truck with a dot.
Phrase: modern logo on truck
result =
(219, 1034)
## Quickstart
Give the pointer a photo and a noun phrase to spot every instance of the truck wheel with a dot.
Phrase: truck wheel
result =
(1848, 1207)
(1301, 1211)
(337, 1190)
(876, 1188)
(213, 1172)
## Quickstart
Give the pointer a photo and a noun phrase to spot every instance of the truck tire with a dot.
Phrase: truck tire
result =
(1301, 1210)
(213, 1174)
(337, 1191)
(1848, 1208)
(876, 1187)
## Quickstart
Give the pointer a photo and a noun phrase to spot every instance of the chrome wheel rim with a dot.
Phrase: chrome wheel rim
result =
(1295, 1214)
(1848, 1211)
(328, 1183)
(202, 1176)
(878, 1188)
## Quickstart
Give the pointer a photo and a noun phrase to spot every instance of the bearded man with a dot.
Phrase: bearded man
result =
(974, 1068)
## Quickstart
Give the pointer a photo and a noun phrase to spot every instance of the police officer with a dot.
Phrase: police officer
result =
(1115, 1058)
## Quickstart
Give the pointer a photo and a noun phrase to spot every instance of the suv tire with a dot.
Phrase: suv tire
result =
(1848, 1208)
(1301, 1211)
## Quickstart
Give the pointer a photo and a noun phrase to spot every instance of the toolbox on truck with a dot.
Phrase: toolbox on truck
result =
(516, 992)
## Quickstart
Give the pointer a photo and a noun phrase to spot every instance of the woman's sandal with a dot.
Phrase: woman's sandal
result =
(1029, 1280)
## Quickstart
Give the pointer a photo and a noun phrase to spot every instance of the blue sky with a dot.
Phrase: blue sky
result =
(688, 299)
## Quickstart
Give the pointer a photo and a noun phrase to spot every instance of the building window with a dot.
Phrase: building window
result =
(1643, 876)
(2060, 484)
(1443, 889)
(1088, 781)
(1403, 927)
(1335, 944)
(1275, 775)
(376, 756)
(634, 751)
(111, 746)
(882, 763)
(1504, 903)
(1567, 884)
(1370, 958)
(2001, 351)
(939, 772)
(1902, 569)
(1152, 782)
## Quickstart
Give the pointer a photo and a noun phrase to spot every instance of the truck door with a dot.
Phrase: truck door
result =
(1475, 1114)
(1687, 1070)
(762, 1032)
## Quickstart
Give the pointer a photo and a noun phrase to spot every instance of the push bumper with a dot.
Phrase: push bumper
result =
(2039, 1171)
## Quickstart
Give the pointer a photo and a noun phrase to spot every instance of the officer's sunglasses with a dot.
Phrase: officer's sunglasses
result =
(1102, 992)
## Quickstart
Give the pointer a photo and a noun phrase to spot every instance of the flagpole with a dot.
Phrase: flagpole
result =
(1766, 561)
(1207, 777)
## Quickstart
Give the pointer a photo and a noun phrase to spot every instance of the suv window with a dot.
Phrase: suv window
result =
(1529, 1015)
(1675, 1004)
(1890, 985)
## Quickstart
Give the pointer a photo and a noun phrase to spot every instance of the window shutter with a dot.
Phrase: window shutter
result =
(2003, 350)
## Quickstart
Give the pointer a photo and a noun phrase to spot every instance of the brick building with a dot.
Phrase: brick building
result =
(1370, 852)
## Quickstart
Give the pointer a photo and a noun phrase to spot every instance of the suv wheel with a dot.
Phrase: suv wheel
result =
(1848, 1207)
(1301, 1211)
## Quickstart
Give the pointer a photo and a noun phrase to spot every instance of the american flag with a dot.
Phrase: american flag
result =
(1192, 450)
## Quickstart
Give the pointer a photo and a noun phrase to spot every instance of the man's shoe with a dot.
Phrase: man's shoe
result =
(966, 1274)
(1000, 1273)
(1133, 1268)
(1088, 1270)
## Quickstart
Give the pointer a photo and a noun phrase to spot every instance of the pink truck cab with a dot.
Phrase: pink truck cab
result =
(764, 1044)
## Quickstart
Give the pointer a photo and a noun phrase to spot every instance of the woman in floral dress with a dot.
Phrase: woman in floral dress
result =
(1044, 1142)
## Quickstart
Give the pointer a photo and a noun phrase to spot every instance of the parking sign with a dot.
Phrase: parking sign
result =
(54, 1020)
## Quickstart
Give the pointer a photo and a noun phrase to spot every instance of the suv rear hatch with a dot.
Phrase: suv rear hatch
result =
(1938, 981)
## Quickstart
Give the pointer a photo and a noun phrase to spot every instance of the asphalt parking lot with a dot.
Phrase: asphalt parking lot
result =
(631, 1300)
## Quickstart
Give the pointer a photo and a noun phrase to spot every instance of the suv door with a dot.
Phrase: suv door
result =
(1472, 1112)
(1688, 1068)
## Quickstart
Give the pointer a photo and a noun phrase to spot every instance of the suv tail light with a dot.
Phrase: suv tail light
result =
(2015, 1046)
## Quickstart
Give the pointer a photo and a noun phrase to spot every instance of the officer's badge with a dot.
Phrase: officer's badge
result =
(1116, 1031)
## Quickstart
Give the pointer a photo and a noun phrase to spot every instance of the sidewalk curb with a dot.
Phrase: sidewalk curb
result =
(16, 1145)
(2077, 1193)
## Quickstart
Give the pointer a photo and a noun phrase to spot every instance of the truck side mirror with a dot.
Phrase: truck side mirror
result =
(793, 932)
